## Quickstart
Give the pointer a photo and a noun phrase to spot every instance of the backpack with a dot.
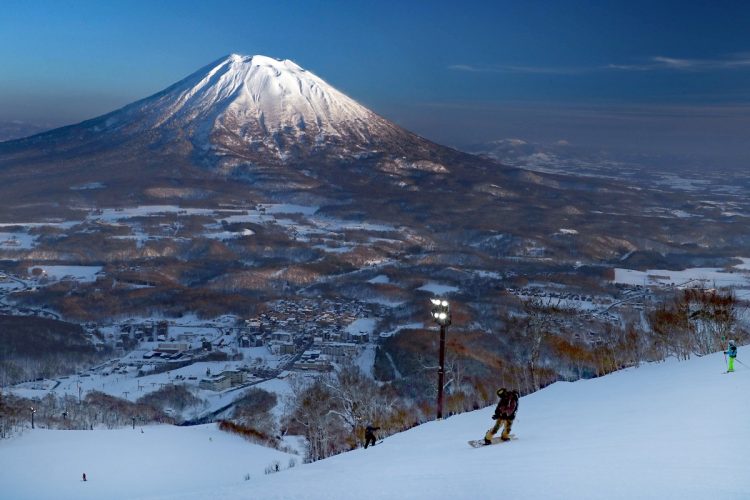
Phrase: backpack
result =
(508, 404)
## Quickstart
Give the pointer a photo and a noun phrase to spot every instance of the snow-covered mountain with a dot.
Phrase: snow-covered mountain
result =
(256, 119)
(260, 103)
(257, 130)
(672, 430)
(243, 109)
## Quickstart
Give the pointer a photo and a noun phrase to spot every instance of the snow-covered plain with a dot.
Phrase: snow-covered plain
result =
(672, 430)
(17, 241)
(126, 463)
(712, 277)
(437, 288)
(83, 274)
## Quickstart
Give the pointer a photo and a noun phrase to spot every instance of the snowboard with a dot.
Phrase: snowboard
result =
(478, 443)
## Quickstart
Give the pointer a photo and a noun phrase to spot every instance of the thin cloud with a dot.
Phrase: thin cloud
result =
(654, 63)
(504, 68)
(660, 63)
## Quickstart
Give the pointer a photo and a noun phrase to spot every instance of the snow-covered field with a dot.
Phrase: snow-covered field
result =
(126, 463)
(437, 288)
(673, 430)
(735, 277)
(83, 274)
(16, 241)
(711, 277)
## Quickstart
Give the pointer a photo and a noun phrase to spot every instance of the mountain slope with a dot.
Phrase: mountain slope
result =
(247, 108)
(673, 430)
(251, 129)
(268, 126)
(125, 463)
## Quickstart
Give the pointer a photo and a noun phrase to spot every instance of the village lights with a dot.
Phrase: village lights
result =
(441, 314)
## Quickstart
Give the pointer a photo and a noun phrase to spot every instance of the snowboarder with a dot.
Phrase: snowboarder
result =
(732, 353)
(84, 476)
(504, 414)
(370, 435)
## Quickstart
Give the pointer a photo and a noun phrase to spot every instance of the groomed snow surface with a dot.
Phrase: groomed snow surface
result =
(672, 430)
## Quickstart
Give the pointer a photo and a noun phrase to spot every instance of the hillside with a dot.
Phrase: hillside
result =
(672, 430)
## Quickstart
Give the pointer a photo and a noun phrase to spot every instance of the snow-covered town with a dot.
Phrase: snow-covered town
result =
(220, 357)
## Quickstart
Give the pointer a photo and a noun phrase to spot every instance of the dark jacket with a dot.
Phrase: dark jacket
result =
(507, 406)
(370, 431)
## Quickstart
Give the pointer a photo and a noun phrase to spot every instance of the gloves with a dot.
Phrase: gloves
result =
(495, 416)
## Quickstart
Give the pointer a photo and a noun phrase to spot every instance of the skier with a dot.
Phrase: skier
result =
(84, 476)
(732, 353)
(370, 435)
(504, 414)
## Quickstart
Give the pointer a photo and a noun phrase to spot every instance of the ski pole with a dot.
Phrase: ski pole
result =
(740, 362)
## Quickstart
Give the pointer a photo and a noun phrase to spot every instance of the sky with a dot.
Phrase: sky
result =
(664, 77)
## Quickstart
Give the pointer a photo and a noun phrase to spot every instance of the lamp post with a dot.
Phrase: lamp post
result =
(441, 314)
(32, 410)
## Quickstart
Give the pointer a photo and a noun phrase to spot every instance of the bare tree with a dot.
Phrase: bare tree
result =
(541, 319)
(311, 411)
(360, 401)
(695, 321)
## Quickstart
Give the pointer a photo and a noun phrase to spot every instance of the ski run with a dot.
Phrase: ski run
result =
(670, 430)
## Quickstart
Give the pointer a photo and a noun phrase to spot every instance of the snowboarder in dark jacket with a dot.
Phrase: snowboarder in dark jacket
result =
(370, 435)
(732, 353)
(504, 414)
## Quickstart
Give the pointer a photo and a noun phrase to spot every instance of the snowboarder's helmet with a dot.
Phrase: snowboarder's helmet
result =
(731, 342)
(500, 392)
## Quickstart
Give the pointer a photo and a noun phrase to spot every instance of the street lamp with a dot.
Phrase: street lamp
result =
(32, 410)
(441, 314)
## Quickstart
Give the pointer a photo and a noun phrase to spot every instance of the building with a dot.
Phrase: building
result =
(339, 349)
(282, 336)
(360, 337)
(172, 347)
(162, 329)
(222, 381)
(285, 348)
(317, 365)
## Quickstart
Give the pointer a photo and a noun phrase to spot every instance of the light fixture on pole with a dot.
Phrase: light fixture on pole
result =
(32, 410)
(441, 314)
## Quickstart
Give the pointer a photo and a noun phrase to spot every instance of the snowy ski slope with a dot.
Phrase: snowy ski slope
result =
(672, 430)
